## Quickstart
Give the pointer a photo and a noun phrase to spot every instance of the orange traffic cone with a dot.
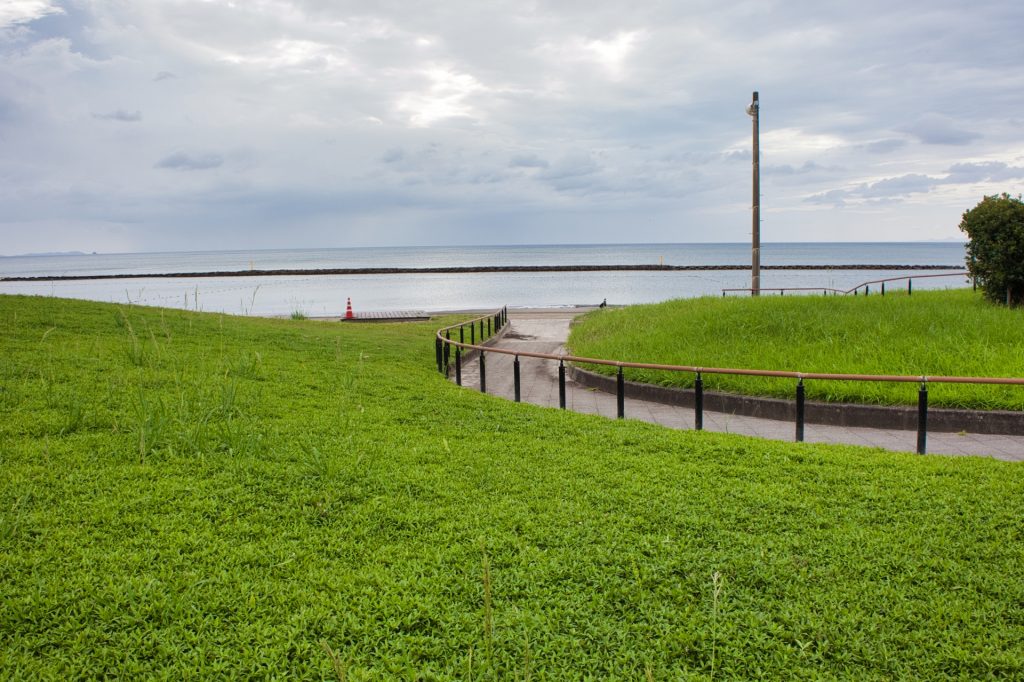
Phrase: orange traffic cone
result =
(349, 315)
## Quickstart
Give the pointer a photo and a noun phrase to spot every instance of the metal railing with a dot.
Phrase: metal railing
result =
(499, 318)
(866, 286)
(443, 344)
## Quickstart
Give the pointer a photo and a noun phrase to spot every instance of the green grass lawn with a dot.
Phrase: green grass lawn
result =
(194, 496)
(932, 333)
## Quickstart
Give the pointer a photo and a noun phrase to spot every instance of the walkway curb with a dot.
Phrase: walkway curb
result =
(993, 422)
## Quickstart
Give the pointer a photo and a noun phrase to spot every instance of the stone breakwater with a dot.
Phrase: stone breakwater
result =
(467, 269)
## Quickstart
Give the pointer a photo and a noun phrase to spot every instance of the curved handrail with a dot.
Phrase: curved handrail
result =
(485, 316)
(562, 358)
(443, 344)
(959, 273)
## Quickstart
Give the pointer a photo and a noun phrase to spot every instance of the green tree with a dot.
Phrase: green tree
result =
(995, 250)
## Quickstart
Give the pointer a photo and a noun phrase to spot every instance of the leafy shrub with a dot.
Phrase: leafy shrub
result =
(995, 252)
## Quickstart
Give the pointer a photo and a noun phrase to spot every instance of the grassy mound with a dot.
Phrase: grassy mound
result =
(193, 496)
(932, 333)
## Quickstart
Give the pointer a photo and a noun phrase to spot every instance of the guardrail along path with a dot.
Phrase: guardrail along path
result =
(547, 332)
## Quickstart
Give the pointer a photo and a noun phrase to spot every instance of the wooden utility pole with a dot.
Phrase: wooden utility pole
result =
(755, 264)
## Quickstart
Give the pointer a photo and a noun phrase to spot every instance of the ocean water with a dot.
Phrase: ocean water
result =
(326, 295)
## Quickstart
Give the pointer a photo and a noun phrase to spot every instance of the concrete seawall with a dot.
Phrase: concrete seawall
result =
(470, 269)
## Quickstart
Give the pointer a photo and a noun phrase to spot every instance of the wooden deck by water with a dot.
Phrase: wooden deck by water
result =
(388, 316)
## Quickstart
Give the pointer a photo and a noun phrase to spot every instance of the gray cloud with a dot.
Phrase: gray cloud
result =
(884, 146)
(833, 197)
(120, 115)
(183, 161)
(164, 75)
(9, 109)
(889, 189)
(576, 173)
(528, 161)
(991, 171)
(935, 128)
(804, 169)
(896, 188)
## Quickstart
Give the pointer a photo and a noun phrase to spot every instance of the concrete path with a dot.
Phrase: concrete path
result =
(547, 332)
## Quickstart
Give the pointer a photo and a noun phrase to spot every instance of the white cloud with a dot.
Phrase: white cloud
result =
(302, 55)
(791, 142)
(613, 52)
(22, 11)
(445, 96)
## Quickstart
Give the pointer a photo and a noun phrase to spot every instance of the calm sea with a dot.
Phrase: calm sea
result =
(326, 295)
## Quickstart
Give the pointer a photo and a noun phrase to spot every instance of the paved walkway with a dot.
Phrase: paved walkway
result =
(547, 332)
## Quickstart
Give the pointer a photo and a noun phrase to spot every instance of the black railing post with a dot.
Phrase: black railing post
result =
(481, 331)
(922, 418)
(472, 334)
(458, 366)
(621, 394)
(867, 289)
(515, 378)
(561, 384)
(800, 411)
(883, 288)
(910, 286)
(698, 403)
(483, 374)
(437, 352)
(488, 326)
(447, 351)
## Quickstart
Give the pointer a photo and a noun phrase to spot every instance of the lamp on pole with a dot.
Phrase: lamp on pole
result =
(755, 264)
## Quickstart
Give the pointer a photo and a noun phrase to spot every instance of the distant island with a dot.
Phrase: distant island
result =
(50, 253)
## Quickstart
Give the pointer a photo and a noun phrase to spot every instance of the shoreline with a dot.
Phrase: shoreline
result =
(465, 270)
(570, 310)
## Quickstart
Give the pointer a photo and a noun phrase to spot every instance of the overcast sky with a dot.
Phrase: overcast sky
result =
(139, 125)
